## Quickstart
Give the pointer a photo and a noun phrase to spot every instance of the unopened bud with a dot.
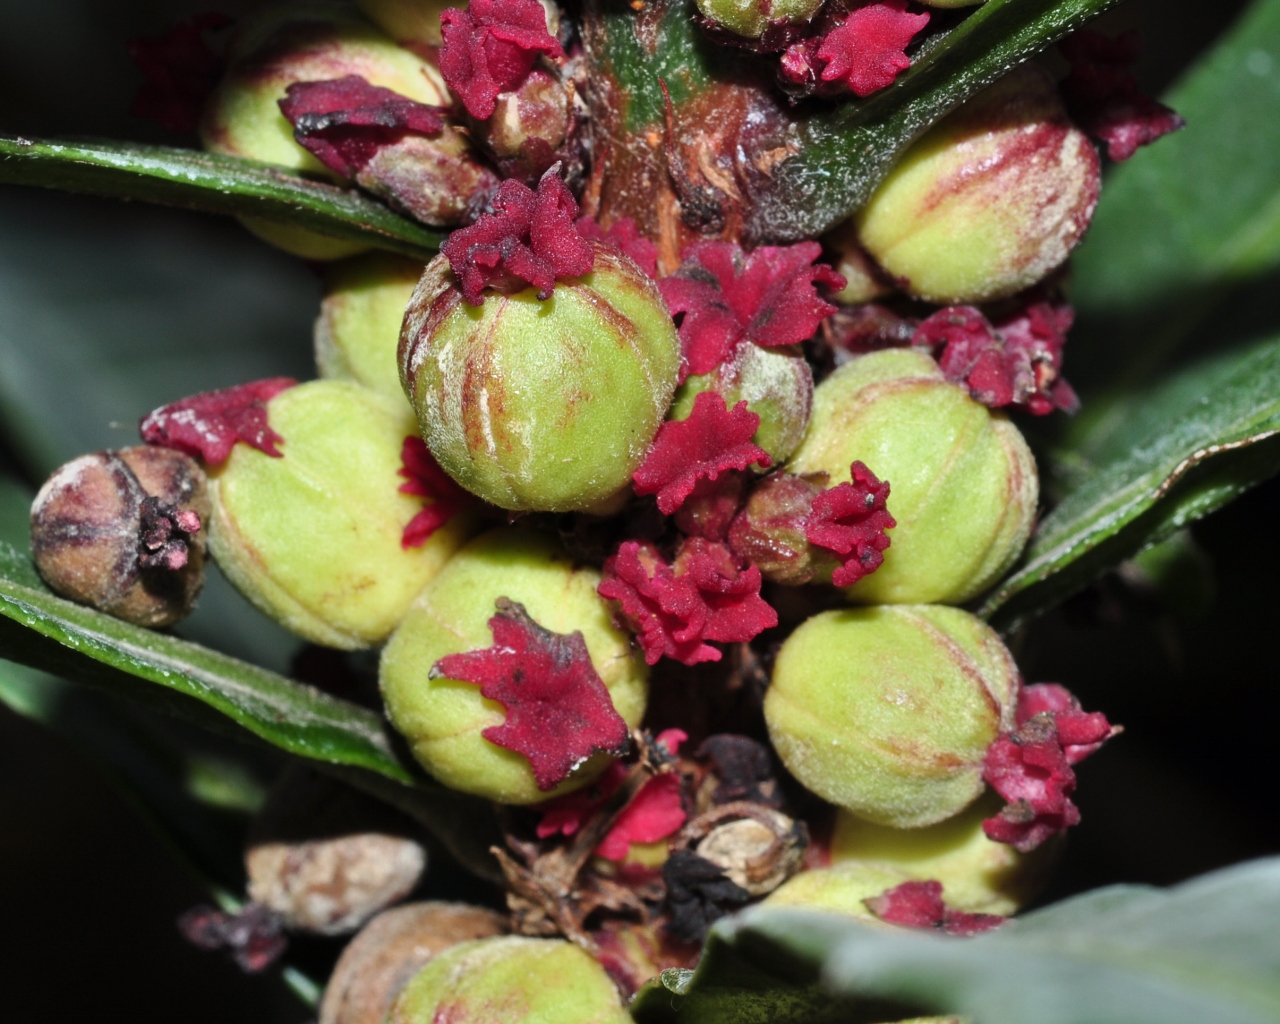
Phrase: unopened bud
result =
(752, 18)
(124, 532)
(990, 201)
(889, 711)
(530, 128)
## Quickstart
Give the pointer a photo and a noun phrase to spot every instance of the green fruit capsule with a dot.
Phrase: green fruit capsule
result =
(963, 481)
(510, 980)
(443, 718)
(888, 712)
(358, 330)
(990, 200)
(840, 889)
(978, 875)
(751, 18)
(313, 537)
(541, 405)
(776, 384)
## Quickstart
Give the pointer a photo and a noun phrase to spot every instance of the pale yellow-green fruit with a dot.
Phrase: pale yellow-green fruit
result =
(978, 875)
(510, 980)
(313, 537)
(963, 483)
(358, 330)
(888, 712)
(442, 718)
(408, 21)
(302, 41)
(839, 889)
(544, 406)
(750, 18)
(990, 200)
(776, 384)
(864, 281)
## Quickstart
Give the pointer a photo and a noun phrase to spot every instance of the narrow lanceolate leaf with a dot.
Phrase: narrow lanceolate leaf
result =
(1186, 239)
(210, 184)
(1186, 447)
(79, 643)
(846, 149)
(1207, 950)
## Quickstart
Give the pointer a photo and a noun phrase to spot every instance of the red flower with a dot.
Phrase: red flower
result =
(1018, 363)
(424, 477)
(1103, 95)
(919, 905)
(207, 426)
(559, 713)
(768, 296)
(1031, 766)
(712, 440)
(490, 47)
(863, 54)
(529, 239)
(851, 520)
(343, 122)
(625, 237)
(180, 71)
(675, 610)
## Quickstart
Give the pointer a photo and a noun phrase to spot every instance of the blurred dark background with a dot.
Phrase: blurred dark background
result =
(90, 893)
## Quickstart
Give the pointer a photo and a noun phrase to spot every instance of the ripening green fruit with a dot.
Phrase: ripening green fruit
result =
(990, 200)
(313, 537)
(839, 889)
(541, 405)
(864, 281)
(963, 483)
(888, 712)
(443, 718)
(979, 875)
(408, 21)
(510, 979)
(776, 384)
(358, 330)
(750, 18)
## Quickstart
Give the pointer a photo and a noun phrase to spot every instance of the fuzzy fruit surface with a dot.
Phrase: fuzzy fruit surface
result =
(776, 384)
(358, 330)
(541, 405)
(964, 483)
(443, 718)
(408, 22)
(888, 711)
(750, 18)
(990, 200)
(313, 538)
(978, 875)
(511, 980)
(840, 889)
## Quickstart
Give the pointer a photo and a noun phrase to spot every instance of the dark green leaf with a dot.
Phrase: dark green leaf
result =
(1184, 449)
(211, 184)
(1187, 235)
(1207, 950)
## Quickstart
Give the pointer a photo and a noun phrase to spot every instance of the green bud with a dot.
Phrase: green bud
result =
(978, 875)
(751, 18)
(443, 718)
(358, 330)
(990, 200)
(963, 481)
(864, 281)
(839, 889)
(541, 405)
(313, 538)
(511, 980)
(776, 384)
(408, 21)
(888, 712)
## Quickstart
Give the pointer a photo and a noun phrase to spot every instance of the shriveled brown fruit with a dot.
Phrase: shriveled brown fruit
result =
(326, 859)
(391, 949)
(124, 531)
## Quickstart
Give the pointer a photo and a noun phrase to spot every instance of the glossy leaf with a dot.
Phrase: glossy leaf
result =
(1186, 448)
(1206, 950)
(211, 184)
(1185, 244)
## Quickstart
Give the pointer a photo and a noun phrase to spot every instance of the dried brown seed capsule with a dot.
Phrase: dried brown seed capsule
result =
(757, 847)
(326, 859)
(391, 949)
(123, 531)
